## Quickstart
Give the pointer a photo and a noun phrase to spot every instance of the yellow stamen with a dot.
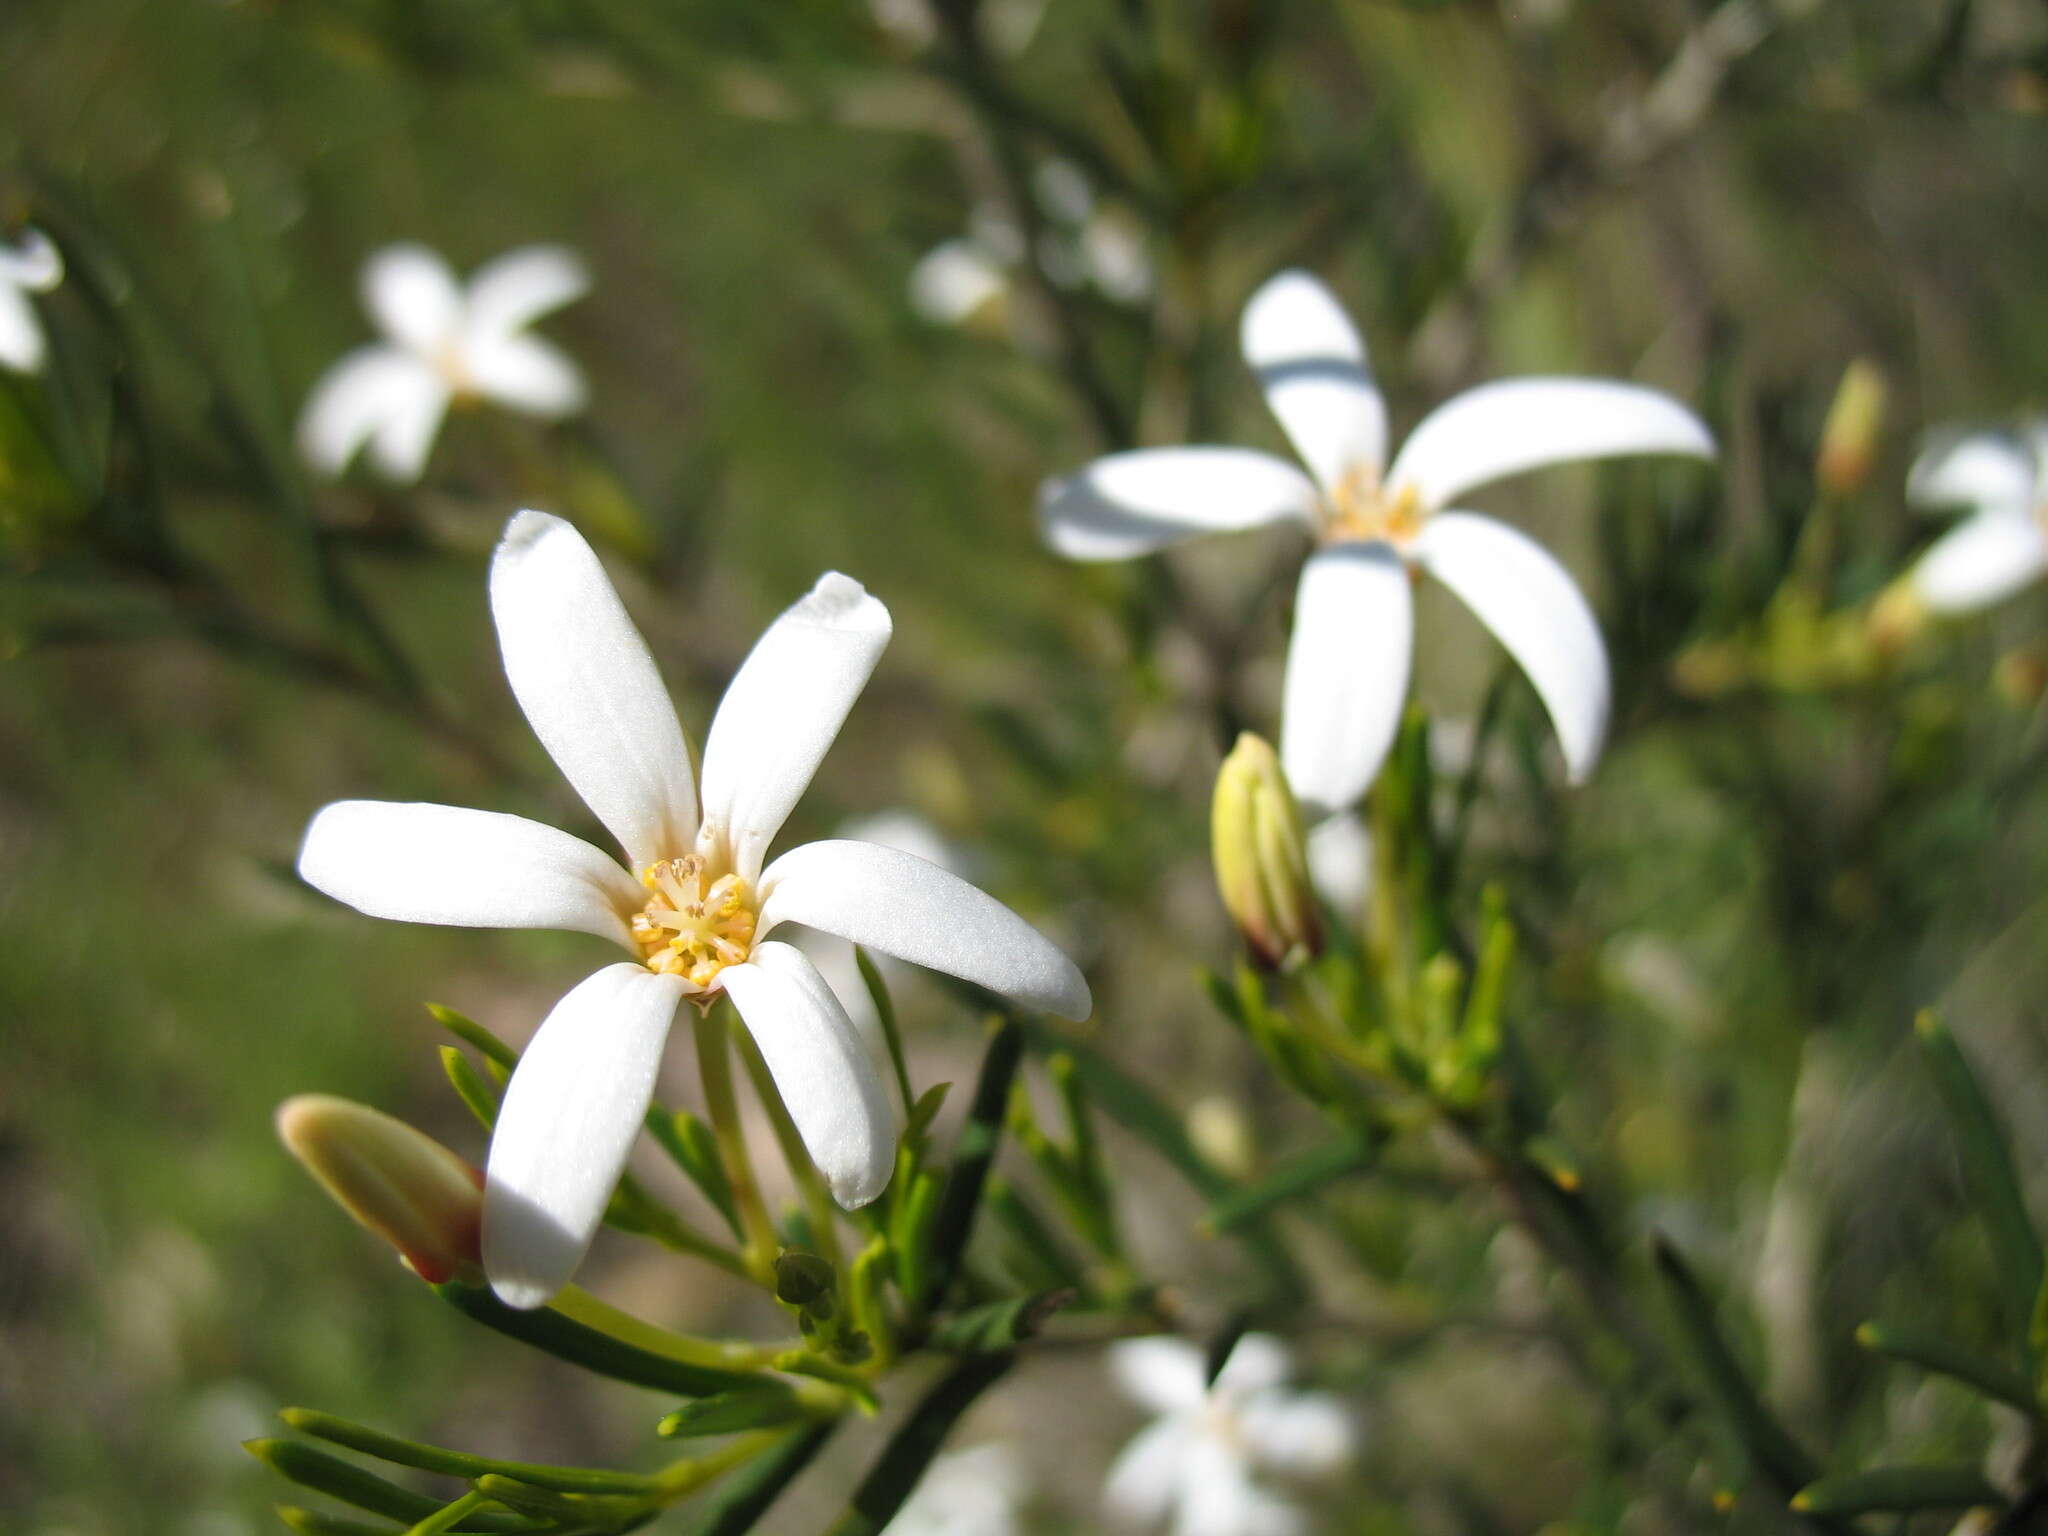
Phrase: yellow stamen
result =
(690, 928)
(1361, 508)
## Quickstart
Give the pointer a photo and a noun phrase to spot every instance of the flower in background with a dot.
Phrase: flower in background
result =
(2003, 544)
(1348, 659)
(444, 344)
(692, 905)
(1340, 863)
(1087, 242)
(975, 1492)
(33, 266)
(1201, 1461)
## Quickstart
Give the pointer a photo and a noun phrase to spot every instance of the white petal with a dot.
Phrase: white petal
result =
(526, 373)
(35, 264)
(571, 1111)
(1312, 365)
(1347, 671)
(782, 710)
(1258, 1363)
(1146, 1479)
(590, 689)
(821, 1068)
(1974, 469)
(22, 345)
(1219, 1498)
(1303, 1433)
(951, 281)
(1160, 1372)
(413, 296)
(510, 292)
(1536, 610)
(1502, 429)
(1983, 560)
(469, 869)
(1340, 862)
(374, 393)
(908, 907)
(1132, 503)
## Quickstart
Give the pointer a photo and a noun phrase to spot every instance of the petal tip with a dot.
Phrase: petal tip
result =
(526, 528)
(522, 1294)
(839, 602)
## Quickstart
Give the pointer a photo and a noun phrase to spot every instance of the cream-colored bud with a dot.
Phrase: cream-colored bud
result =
(1848, 443)
(400, 1183)
(1897, 617)
(1260, 854)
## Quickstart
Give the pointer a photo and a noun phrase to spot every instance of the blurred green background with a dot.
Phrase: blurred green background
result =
(1728, 931)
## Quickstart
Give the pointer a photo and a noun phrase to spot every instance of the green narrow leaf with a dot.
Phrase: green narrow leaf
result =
(311, 1522)
(693, 1147)
(338, 1479)
(761, 1406)
(972, 1153)
(745, 1496)
(1350, 1153)
(1902, 1489)
(470, 1087)
(999, 1325)
(433, 1458)
(1216, 1354)
(550, 1332)
(1036, 1242)
(897, 1470)
(1133, 1106)
(1757, 1438)
(1932, 1353)
(468, 1030)
(885, 1014)
(448, 1516)
(1987, 1163)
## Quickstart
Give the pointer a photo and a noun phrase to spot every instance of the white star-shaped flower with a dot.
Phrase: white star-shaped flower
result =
(443, 343)
(33, 266)
(1348, 660)
(1198, 1464)
(974, 1492)
(692, 904)
(2003, 544)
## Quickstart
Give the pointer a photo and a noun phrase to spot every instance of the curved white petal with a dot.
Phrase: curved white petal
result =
(1220, 1498)
(35, 264)
(1148, 1476)
(822, 1069)
(1502, 429)
(1983, 560)
(1536, 610)
(1974, 469)
(1312, 365)
(1160, 1372)
(1133, 503)
(1347, 671)
(413, 296)
(510, 292)
(1340, 862)
(590, 688)
(1303, 1433)
(1258, 1362)
(571, 1111)
(22, 344)
(525, 373)
(908, 907)
(376, 395)
(782, 710)
(469, 869)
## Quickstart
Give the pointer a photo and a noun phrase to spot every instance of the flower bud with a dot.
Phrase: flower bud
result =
(1261, 861)
(1848, 443)
(400, 1183)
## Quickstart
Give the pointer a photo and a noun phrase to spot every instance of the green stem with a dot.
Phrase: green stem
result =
(818, 1204)
(714, 1067)
(682, 1478)
(722, 1354)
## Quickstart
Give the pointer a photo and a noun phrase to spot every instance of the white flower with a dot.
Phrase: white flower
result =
(444, 343)
(1340, 863)
(1199, 1462)
(1348, 661)
(2003, 544)
(692, 906)
(974, 1492)
(33, 266)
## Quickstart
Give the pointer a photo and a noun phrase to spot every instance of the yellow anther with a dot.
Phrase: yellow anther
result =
(689, 930)
(1361, 508)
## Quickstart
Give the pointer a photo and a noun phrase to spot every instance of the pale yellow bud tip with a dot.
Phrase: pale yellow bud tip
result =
(400, 1183)
(1849, 441)
(1261, 855)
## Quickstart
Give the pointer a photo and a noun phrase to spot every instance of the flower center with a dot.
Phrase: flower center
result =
(1360, 508)
(694, 925)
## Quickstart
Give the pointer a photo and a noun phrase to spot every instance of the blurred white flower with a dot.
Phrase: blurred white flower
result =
(975, 1492)
(1348, 661)
(33, 266)
(953, 280)
(1340, 863)
(444, 344)
(2003, 544)
(1007, 26)
(1199, 1463)
(692, 904)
